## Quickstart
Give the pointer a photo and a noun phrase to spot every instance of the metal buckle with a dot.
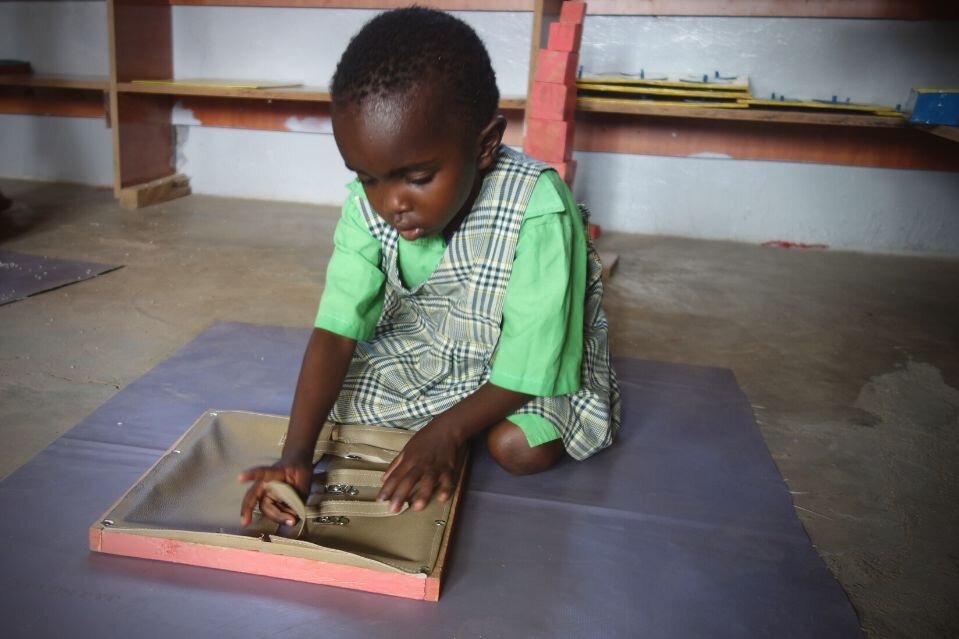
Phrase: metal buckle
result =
(329, 520)
(342, 489)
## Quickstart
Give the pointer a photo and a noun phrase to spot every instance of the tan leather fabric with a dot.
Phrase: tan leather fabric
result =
(191, 494)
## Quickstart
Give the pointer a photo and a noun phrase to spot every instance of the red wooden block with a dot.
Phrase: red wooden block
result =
(566, 170)
(550, 101)
(572, 12)
(558, 67)
(549, 140)
(564, 36)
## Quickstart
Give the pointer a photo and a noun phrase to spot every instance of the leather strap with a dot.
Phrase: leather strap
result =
(366, 452)
(354, 477)
(357, 442)
(336, 512)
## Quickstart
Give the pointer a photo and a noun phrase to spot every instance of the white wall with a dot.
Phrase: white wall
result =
(863, 209)
(56, 149)
(57, 38)
(844, 207)
(873, 61)
(301, 45)
(267, 165)
(304, 45)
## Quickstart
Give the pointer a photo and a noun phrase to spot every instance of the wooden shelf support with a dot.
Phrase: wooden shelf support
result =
(162, 190)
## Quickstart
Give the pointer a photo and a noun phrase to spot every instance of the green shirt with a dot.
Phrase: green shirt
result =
(541, 341)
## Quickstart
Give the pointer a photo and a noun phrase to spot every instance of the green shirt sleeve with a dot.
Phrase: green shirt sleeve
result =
(541, 343)
(352, 299)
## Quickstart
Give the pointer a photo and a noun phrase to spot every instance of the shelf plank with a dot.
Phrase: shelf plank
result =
(299, 94)
(288, 115)
(880, 147)
(293, 94)
(444, 5)
(873, 9)
(747, 115)
(81, 82)
(27, 100)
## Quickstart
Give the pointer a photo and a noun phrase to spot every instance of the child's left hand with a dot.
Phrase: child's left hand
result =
(427, 465)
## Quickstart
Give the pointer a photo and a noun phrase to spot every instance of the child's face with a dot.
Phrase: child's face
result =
(418, 169)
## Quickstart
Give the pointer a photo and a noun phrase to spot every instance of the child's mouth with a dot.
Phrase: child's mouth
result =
(412, 234)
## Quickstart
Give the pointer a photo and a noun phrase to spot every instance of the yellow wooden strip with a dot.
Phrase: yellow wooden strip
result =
(739, 83)
(670, 103)
(831, 106)
(681, 93)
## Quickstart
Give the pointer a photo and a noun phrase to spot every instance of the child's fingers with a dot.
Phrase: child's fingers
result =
(423, 492)
(403, 490)
(277, 511)
(393, 464)
(249, 501)
(445, 488)
(254, 474)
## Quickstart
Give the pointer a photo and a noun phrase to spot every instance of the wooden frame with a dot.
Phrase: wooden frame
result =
(104, 539)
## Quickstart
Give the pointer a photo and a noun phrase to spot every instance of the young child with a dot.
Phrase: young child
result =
(462, 296)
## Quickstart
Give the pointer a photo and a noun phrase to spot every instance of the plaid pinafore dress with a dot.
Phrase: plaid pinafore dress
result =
(434, 344)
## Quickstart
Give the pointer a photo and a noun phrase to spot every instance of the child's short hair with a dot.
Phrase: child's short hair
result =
(407, 48)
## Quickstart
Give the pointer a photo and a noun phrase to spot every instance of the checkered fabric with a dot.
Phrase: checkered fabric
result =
(434, 344)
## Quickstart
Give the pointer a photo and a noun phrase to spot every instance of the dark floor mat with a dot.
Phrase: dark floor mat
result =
(683, 528)
(23, 275)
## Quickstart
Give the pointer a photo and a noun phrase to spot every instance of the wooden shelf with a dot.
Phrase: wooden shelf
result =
(744, 115)
(299, 94)
(141, 46)
(294, 94)
(81, 82)
(869, 9)
(444, 5)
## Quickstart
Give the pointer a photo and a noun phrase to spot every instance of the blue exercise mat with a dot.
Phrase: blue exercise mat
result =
(23, 275)
(683, 528)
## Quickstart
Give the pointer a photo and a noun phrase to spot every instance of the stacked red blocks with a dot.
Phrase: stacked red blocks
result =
(552, 101)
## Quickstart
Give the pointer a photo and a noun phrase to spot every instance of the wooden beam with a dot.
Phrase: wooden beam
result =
(901, 148)
(445, 5)
(651, 108)
(69, 103)
(874, 9)
(167, 188)
(291, 94)
(82, 82)
(287, 115)
(140, 34)
(145, 147)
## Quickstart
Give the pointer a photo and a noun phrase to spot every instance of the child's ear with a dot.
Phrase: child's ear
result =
(490, 138)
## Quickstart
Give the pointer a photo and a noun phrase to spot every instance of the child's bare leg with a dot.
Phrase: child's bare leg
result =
(508, 446)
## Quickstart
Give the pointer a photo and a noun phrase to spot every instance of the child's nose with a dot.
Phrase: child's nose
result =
(397, 202)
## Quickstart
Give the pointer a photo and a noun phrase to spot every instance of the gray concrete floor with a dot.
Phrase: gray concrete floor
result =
(851, 361)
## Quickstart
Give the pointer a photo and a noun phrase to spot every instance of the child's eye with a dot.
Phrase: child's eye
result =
(419, 179)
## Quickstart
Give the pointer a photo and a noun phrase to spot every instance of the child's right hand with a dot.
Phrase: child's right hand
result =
(296, 473)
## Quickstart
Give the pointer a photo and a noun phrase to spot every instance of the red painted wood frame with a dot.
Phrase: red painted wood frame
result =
(103, 539)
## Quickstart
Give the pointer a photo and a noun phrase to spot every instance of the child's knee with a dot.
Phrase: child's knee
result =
(508, 446)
